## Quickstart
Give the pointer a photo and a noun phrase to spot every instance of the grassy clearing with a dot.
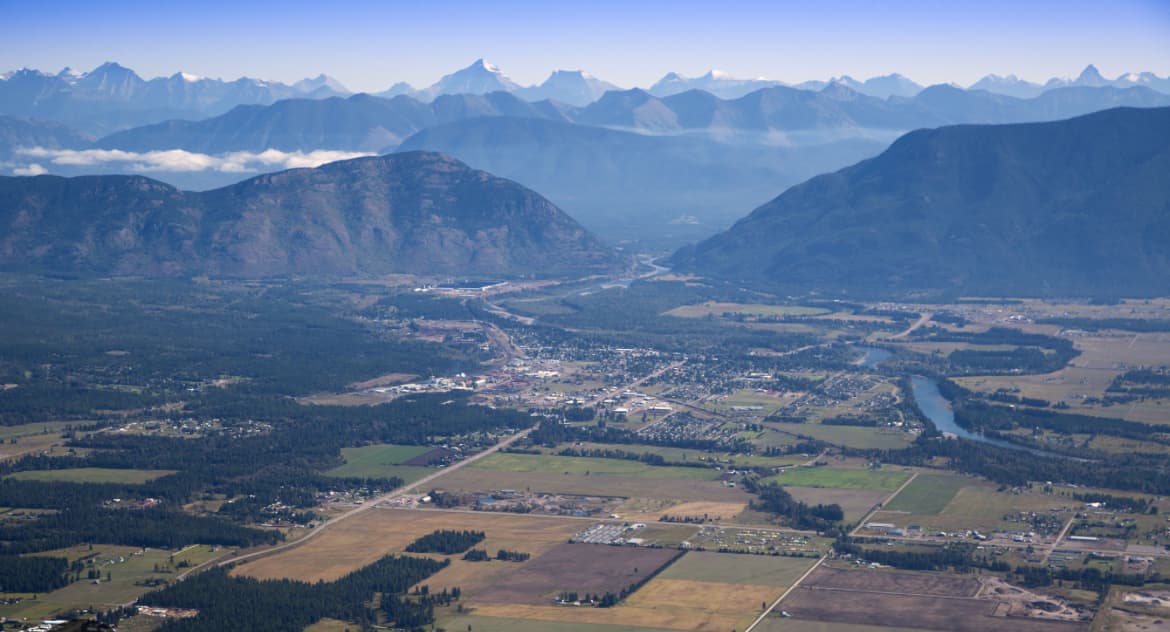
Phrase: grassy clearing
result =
(883, 480)
(703, 310)
(125, 566)
(728, 568)
(377, 461)
(44, 427)
(91, 475)
(848, 436)
(363, 539)
(572, 465)
(684, 455)
(928, 494)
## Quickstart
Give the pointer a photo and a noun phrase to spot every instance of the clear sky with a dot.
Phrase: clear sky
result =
(369, 45)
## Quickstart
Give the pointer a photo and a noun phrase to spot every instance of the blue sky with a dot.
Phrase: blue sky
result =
(368, 45)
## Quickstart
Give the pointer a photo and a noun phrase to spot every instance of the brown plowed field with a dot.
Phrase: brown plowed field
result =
(581, 568)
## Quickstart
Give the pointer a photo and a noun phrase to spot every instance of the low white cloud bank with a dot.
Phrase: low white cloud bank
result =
(32, 169)
(177, 160)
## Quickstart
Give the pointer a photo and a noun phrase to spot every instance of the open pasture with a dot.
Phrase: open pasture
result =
(978, 506)
(854, 502)
(929, 494)
(363, 539)
(848, 436)
(124, 565)
(473, 479)
(712, 308)
(575, 465)
(91, 475)
(879, 480)
(381, 461)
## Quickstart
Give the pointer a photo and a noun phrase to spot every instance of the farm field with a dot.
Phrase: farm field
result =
(979, 506)
(35, 437)
(44, 427)
(503, 624)
(730, 568)
(589, 466)
(854, 502)
(928, 494)
(582, 568)
(91, 475)
(691, 455)
(370, 457)
(367, 537)
(711, 308)
(478, 480)
(125, 565)
(883, 480)
(776, 623)
(849, 436)
(647, 510)
(928, 601)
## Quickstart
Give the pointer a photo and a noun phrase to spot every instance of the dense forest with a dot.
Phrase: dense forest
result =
(225, 602)
(446, 541)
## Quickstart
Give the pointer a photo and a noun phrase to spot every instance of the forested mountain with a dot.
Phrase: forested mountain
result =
(413, 212)
(1075, 207)
(683, 187)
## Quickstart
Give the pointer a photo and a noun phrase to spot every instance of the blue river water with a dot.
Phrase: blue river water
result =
(938, 410)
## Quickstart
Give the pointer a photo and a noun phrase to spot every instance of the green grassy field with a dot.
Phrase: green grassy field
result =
(381, 460)
(702, 310)
(91, 475)
(690, 455)
(587, 465)
(929, 494)
(849, 436)
(22, 430)
(883, 480)
(125, 565)
(760, 570)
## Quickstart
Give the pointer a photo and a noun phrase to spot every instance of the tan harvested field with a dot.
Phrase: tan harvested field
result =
(581, 568)
(928, 601)
(363, 539)
(619, 616)
(724, 511)
(855, 502)
(713, 606)
(501, 624)
(474, 480)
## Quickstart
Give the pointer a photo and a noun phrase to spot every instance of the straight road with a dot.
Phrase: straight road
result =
(373, 502)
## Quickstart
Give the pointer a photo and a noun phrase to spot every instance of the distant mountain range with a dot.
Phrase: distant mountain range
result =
(414, 212)
(111, 96)
(1068, 208)
(775, 115)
